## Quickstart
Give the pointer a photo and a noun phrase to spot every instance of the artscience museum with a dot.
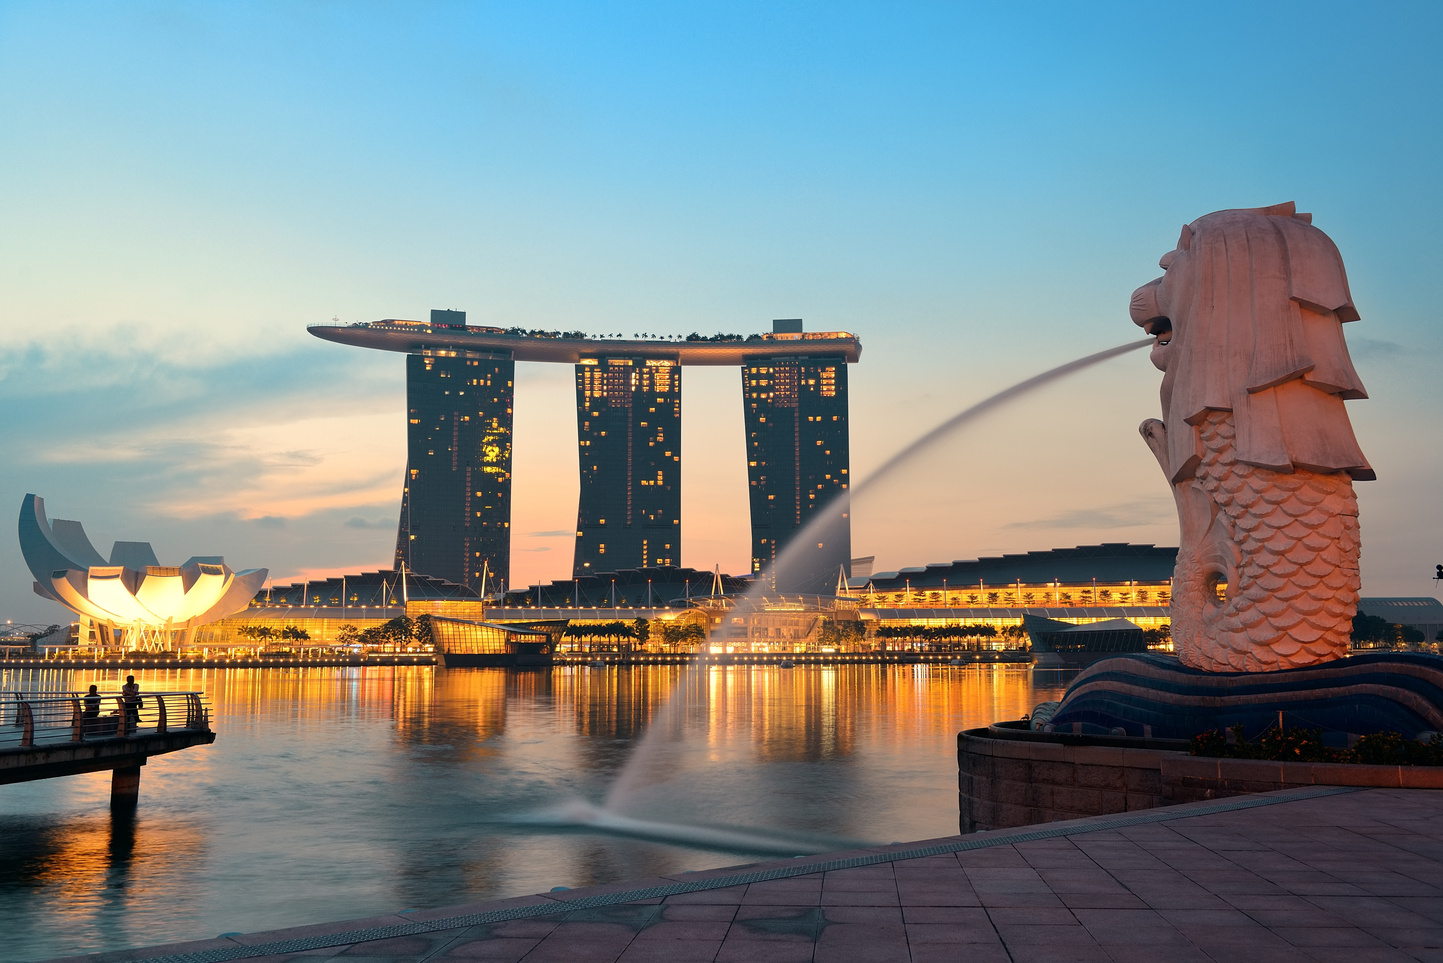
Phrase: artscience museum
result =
(131, 600)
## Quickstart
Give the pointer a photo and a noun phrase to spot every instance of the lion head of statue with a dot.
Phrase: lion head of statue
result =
(1248, 318)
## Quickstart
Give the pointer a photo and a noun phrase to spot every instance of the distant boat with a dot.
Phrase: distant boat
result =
(786, 664)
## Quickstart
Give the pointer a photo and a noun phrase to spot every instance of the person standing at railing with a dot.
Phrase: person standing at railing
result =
(89, 719)
(130, 698)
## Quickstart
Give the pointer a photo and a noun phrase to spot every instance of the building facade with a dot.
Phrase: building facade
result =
(130, 601)
(337, 611)
(628, 436)
(1423, 613)
(456, 506)
(798, 468)
(455, 519)
(1084, 585)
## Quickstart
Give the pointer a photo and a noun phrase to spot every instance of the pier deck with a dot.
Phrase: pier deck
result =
(56, 735)
(1302, 875)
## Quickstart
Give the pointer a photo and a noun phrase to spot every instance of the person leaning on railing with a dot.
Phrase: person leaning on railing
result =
(90, 718)
(130, 698)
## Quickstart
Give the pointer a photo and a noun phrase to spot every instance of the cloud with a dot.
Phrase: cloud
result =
(195, 468)
(357, 521)
(288, 436)
(1363, 349)
(129, 368)
(259, 459)
(1125, 515)
(557, 533)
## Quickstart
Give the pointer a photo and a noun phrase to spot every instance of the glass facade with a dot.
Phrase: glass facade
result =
(798, 463)
(456, 505)
(628, 436)
(474, 638)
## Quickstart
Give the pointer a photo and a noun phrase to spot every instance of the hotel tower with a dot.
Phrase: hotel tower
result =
(798, 460)
(628, 437)
(456, 505)
(456, 500)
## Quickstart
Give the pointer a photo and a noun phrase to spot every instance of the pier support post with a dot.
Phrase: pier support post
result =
(125, 786)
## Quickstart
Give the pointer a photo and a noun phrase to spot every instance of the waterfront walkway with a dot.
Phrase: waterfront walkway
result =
(1314, 874)
(579, 658)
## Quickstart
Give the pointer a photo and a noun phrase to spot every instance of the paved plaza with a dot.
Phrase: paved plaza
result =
(1317, 874)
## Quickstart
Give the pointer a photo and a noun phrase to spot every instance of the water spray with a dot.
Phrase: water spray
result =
(647, 763)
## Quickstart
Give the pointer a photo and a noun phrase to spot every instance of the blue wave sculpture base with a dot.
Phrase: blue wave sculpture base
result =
(1160, 697)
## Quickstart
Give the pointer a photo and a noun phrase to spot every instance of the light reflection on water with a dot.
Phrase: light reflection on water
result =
(338, 793)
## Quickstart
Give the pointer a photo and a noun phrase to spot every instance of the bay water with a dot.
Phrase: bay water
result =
(338, 793)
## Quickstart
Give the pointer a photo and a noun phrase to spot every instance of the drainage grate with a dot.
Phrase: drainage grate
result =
(558, 908)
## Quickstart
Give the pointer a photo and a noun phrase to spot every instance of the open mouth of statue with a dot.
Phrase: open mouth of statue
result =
(1160, 328)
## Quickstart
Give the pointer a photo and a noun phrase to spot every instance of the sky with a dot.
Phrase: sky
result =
(972, 189)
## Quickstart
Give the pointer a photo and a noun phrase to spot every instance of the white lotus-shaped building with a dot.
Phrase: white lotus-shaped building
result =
(133, 592)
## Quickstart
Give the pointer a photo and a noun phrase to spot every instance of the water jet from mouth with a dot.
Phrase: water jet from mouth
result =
(656, 757)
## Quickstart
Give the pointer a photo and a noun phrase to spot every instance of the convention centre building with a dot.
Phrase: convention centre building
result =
(1089, 583)
(976, 604)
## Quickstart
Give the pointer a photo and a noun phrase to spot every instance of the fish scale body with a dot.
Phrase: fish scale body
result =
(1293, 586)
(1248, 320)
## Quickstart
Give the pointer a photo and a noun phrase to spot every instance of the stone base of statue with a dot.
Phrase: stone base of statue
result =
(1256, 445)
(1158, 697)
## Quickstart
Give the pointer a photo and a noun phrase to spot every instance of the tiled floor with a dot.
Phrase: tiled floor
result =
(1355, 877)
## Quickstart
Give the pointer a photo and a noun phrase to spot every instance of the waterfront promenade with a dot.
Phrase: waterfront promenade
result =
(585, 658)
(1316, 874)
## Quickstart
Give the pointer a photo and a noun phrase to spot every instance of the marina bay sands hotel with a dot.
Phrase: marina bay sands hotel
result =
(456, 504)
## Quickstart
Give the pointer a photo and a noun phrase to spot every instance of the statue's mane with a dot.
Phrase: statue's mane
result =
(1258, 298)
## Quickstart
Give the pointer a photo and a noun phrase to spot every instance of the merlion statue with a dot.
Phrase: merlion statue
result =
(1255, 440)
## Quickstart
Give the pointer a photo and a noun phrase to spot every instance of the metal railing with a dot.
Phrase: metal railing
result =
(56, 719)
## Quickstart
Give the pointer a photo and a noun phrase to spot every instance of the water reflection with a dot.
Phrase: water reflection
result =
(333, 793)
